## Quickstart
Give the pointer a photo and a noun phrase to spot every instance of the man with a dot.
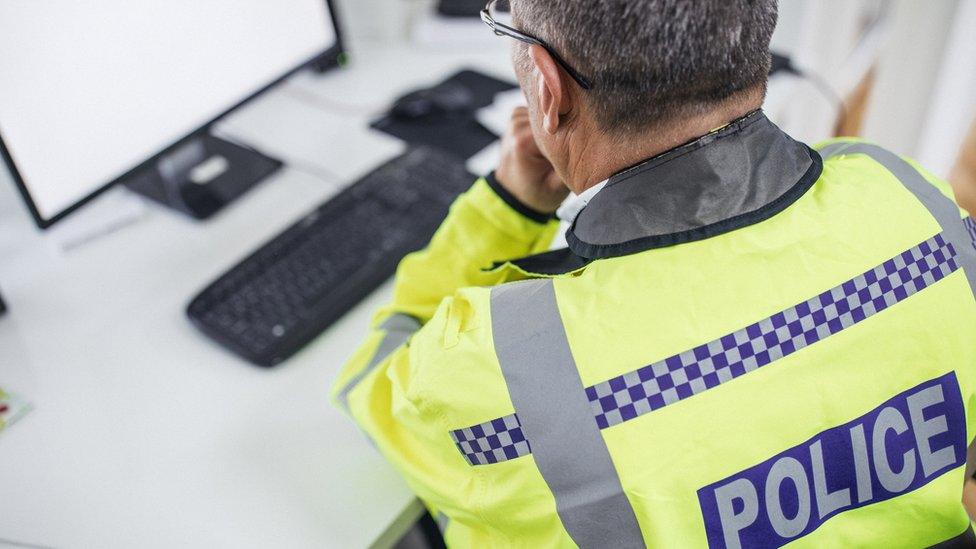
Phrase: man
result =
(747, 343)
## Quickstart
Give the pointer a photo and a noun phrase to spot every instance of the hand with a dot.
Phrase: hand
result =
(525, 172)
(969, 498)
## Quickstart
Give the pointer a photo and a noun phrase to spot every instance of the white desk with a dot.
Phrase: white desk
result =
(144, 433)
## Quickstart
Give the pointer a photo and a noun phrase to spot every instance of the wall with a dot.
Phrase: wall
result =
(907, 73)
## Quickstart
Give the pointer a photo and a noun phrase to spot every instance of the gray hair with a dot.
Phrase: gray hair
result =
(652, 61)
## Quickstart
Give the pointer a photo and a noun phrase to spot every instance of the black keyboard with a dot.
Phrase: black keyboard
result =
(286, 293)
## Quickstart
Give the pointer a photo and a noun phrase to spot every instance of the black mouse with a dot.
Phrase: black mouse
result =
(448, 98)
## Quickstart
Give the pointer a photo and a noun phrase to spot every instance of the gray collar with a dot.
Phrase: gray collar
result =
(738, 175)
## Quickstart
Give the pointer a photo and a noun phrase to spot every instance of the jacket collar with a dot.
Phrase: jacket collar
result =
(736, 176)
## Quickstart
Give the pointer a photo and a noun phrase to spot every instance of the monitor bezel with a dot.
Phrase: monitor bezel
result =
(323, 60)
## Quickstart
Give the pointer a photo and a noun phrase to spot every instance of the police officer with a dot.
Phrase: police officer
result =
(748, 342)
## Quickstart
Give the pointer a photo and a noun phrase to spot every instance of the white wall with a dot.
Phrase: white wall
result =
(952, 107)
(826, 39)
(924, 54)
(379, 20)
(907, 73)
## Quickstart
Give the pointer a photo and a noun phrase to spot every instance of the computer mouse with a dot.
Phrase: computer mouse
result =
(448, 98)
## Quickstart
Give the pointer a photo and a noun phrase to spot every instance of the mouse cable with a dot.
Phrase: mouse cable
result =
(820, 83)
(328, 104)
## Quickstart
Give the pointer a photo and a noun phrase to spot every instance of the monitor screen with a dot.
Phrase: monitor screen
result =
(91, 90)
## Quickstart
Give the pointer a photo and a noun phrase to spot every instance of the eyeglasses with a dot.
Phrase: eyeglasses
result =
(504, 30)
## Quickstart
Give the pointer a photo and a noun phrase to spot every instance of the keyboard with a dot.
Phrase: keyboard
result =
(271, 304)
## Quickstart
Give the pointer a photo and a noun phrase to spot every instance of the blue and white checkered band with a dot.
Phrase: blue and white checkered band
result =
(493, 441)
(707, 366)
(971, 229)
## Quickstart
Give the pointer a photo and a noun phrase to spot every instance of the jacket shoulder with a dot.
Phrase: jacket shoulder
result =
(453, 357)
(841, 153)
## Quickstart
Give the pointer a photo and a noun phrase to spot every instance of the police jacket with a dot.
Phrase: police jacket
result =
(747, 343)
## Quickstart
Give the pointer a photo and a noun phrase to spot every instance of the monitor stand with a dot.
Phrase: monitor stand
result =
(203, 175)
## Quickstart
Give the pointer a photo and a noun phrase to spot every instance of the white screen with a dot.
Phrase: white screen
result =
(89, 89)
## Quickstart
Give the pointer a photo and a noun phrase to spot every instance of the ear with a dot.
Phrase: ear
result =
(553, 92)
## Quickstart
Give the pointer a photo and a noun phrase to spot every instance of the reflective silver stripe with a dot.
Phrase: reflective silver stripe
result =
(548, 395)
(945, 211)
(399, 328)
(442, 521)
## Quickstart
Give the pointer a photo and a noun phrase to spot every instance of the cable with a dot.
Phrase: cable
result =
(786, 65)
(13, 543)
(827, 91)
(329, 105)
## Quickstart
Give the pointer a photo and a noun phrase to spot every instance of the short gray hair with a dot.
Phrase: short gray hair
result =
(651, 61)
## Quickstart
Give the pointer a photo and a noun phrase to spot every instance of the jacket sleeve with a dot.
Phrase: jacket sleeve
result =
(440, 293)
(485, 225)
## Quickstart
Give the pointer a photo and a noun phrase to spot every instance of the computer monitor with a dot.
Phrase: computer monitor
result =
(97, 93)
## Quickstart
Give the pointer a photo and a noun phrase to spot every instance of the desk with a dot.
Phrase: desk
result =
(144, 433)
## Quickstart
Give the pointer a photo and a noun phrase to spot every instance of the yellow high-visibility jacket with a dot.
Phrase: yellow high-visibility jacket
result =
(748, 343)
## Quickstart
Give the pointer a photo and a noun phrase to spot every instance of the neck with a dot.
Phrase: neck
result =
(600, 155)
